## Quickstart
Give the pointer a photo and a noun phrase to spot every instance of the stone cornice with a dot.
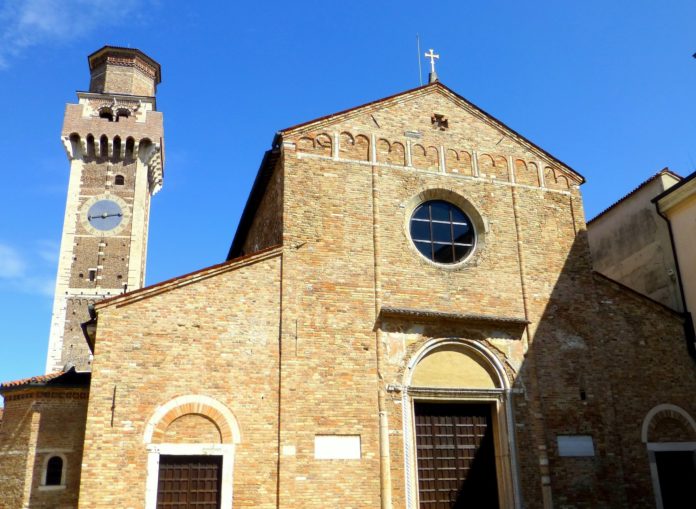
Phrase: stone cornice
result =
(442, 316)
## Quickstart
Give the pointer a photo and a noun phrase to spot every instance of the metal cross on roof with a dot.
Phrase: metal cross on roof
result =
(432, 56)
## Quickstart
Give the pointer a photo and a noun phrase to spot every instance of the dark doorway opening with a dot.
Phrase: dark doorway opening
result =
(677, 474)
(189, 482)
(456, 456)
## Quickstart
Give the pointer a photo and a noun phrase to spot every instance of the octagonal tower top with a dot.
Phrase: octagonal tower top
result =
(128, 71)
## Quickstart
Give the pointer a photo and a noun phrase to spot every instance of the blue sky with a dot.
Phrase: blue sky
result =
(607, 87)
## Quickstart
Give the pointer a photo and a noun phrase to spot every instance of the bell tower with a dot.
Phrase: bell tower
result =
(114, 140)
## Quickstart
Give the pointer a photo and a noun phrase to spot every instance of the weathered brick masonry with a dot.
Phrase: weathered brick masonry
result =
(327, 325)
(41, 420)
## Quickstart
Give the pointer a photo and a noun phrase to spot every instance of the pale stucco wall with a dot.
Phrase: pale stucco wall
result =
(683, 219)
(630, 244)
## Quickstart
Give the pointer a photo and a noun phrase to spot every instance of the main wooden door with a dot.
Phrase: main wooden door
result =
(189, 482)
(456, 456)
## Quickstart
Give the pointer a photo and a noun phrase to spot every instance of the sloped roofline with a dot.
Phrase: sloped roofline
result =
(187, 279)
(484, 115)
(263, 176)
(675, 187)
(627, 289)
(663, 171)
(270, 157)
(59, 379)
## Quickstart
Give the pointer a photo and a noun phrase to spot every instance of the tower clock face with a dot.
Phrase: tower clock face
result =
(105, 215)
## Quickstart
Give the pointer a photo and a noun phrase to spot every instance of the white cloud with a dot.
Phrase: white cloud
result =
(28, 23)
(12, 265)
(45, 286)
(18, 273)
(48, 250)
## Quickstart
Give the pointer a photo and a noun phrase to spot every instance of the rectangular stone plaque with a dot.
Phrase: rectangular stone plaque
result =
(337, 447)
(575, 445)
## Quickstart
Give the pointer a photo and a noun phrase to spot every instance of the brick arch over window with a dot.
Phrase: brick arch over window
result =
(205, 406)
(674, 417)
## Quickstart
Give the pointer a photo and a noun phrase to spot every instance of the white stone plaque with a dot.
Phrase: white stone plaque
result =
(337, 447)
(575, 445)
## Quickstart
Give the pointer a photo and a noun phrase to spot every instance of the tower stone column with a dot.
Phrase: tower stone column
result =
(114, 140)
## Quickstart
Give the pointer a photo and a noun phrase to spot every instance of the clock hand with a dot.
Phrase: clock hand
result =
(104, 216)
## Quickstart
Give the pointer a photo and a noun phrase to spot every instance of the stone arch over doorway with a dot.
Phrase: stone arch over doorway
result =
(669, 433)
(466, 379)
(191, 426)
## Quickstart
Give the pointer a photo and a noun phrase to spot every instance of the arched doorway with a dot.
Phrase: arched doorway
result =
(190, 442)
(457, 428)
(669, 433)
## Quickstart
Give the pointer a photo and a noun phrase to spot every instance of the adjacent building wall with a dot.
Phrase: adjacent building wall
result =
(630, 243)
(679, 206)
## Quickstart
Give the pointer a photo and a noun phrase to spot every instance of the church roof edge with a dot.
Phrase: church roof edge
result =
(186, 279)
(437, 85)
(258, 188)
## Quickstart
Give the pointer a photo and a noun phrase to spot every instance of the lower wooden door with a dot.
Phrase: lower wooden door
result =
(456, 456)
(189, 482)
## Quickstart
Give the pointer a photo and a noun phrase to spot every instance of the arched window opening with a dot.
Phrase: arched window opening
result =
(119, 180)
(107, 114)
(75, 147)
(104, 146)
(130, 147)
(54, 471)
(122, 113)
(117, 146)
(91, 150)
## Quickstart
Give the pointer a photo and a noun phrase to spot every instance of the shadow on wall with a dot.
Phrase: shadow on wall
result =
(600, 359)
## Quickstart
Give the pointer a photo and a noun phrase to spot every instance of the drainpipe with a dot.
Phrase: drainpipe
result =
(689, 332)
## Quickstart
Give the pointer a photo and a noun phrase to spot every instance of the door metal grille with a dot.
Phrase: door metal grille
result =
(456, 457)
(189, 482)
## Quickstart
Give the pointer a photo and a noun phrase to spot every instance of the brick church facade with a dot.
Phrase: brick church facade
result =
(407, 317)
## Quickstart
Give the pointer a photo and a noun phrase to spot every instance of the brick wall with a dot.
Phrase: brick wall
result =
(38, 424)
(216, 337)
(350, 219)
(299, 350)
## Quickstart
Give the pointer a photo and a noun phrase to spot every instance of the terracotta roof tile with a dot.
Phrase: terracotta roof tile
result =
(31, 381)
(663, 171)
